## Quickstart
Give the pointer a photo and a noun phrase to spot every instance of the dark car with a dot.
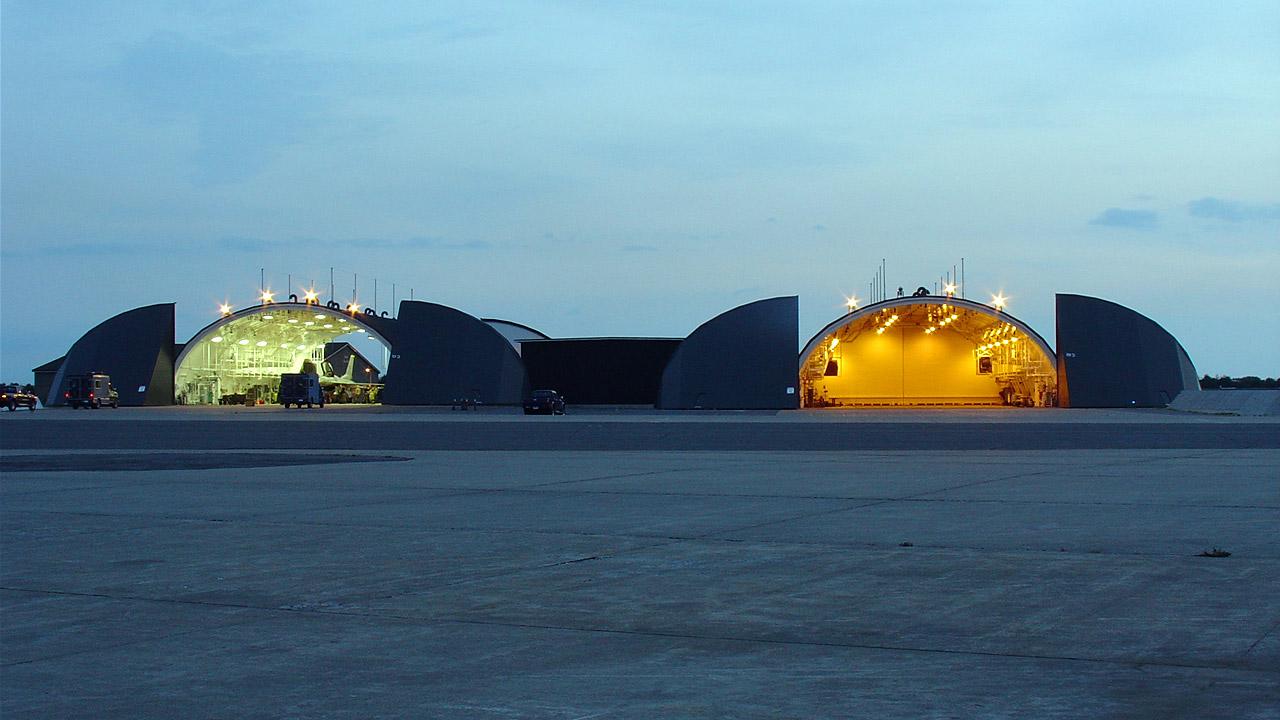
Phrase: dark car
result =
(91, 390)
(544, 402)
(14, 397)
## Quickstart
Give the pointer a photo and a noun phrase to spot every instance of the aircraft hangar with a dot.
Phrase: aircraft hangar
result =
(924, 350)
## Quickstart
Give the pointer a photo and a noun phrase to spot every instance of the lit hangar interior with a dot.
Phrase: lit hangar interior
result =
(239, 358)
(927, 350)
(921, 350)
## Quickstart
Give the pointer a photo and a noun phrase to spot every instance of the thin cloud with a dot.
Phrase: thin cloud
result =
(1130, 219)
(433, 243)
(95, 249)
(639, 248)
(248, 244)
(258, 245)
(1232, 211)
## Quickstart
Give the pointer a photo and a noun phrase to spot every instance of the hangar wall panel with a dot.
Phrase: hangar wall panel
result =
(742, 359)
(135, 348)
(942, 366)
(1112, 356)
(440, 354)
(44, 377)
(600, 371)
(906, 363)
(870, 368)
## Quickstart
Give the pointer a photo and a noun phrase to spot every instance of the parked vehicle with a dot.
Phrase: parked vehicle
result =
(299, 389)
(14, 397)
(91, 390)
(544, 402)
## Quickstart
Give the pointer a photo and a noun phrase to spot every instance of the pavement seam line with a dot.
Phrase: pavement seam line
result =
(643, 633)
(708, 537)
(857, 506)
(862, 646)
(1263, 637)
(130, 643)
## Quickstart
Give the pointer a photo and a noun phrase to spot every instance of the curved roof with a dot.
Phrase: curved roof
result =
(860, 313)
(496, 322)
(1137, 316)
(443, 353)
(740, 359)
(1114, 356)
(134, 347)
(355, 318)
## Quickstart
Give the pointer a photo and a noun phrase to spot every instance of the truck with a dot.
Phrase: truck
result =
(91, 390)
(300, 388)
(14, 397)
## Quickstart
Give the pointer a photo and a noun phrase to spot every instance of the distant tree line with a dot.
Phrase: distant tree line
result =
(1248, 382)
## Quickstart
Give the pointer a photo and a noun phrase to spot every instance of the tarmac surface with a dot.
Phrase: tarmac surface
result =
(372, 562)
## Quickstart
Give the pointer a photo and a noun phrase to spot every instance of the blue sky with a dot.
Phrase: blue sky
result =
(634, 169)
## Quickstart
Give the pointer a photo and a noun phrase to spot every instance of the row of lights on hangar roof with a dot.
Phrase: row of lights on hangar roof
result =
(998, 301)
(309, 297)
(940, 320)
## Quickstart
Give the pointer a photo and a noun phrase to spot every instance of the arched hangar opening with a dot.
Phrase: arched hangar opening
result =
(239, 358)
(927, 350)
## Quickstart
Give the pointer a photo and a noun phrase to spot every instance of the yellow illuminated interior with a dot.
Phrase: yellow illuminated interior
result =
(928, 354)
(241, 360)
